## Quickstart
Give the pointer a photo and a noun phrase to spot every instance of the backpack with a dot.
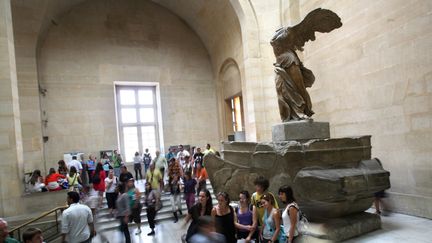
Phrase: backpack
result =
(303, 222)
(96, 178)
(147, 159)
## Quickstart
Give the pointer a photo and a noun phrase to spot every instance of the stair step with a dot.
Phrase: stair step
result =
(106, 223)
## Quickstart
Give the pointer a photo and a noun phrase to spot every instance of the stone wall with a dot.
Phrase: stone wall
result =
(26, 32)
(373, 77)
(10, 121)
(95, 44)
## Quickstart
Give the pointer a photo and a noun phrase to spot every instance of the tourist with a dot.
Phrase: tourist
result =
(202, 208)
(271, 220)
(99, 182)
(77, 221)
(147, 159)
(174, 168)
(154, 177)
(379, 202)
(151, 199)
(37, 183)
(52, 180)
(246, 219)
(198, 158)
(225, 217)
(290, 215)
(169, 155)
(111, 185)
(76, 163)
(187, 166)
(161, 164)
(117, 162)
(85, 176)
(174, 185)
(123, 212)
(91, 166)
(261, 186)
(62, 168)
(134, 204)
(74, 179)
(125, 175)
(4, 233)
(32, 235)
(201, 177)
(137, 165)
(209, 150)
(106, 164)
(181, 155)
(189, 189)
(206, 232)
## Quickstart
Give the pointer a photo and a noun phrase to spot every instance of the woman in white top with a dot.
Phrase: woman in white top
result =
(137, 165)
(36, 182)
(111, 194)
(290, 215)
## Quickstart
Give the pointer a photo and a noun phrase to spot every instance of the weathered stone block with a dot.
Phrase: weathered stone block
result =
(340, 229)
(300, 130)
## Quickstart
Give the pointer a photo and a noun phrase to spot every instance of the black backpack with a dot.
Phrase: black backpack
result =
(147, 159)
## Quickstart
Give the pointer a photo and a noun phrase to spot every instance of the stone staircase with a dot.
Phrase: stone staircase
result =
(106, 223)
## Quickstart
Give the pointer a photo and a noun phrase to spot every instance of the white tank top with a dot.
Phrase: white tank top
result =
(286, 219)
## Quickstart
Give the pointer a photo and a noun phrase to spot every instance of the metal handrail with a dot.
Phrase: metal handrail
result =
(54, 210)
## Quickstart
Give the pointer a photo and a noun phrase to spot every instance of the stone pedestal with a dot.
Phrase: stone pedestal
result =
(300, 130)
(334, 180)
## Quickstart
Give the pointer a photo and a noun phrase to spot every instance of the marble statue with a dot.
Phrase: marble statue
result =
(292, 78)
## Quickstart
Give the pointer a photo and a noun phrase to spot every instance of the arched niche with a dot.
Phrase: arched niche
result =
(230, 99)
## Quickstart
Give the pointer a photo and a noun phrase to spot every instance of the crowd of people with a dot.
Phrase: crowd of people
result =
(257, 217)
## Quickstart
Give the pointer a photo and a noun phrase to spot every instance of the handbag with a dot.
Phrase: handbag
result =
(72, 187)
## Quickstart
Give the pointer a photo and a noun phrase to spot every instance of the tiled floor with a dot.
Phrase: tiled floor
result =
(395, 228)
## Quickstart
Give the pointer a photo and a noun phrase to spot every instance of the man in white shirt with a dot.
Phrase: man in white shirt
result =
(75, 163)
(77, 221)
(181, 155)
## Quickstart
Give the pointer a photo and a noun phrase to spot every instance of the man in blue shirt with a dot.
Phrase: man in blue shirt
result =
(91, 166)
(169, 155)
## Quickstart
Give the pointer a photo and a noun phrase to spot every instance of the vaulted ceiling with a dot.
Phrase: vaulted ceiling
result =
(215, 21)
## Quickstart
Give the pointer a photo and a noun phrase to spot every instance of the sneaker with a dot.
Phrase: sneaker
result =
(138, 232)
(151, 233)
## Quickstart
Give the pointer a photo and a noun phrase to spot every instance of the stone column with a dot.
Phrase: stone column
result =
(11, 162)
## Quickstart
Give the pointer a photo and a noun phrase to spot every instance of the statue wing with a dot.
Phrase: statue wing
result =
(320, 20)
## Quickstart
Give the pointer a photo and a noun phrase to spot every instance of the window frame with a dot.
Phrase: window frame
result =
(157, 123)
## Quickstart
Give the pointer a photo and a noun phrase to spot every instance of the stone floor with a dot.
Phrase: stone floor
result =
(395, 228)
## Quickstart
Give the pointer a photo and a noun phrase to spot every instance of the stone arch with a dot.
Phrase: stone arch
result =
(251, 76)
(229, 85)
(136, 41)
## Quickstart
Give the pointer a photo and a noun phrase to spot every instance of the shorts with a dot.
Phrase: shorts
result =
(380, 194)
